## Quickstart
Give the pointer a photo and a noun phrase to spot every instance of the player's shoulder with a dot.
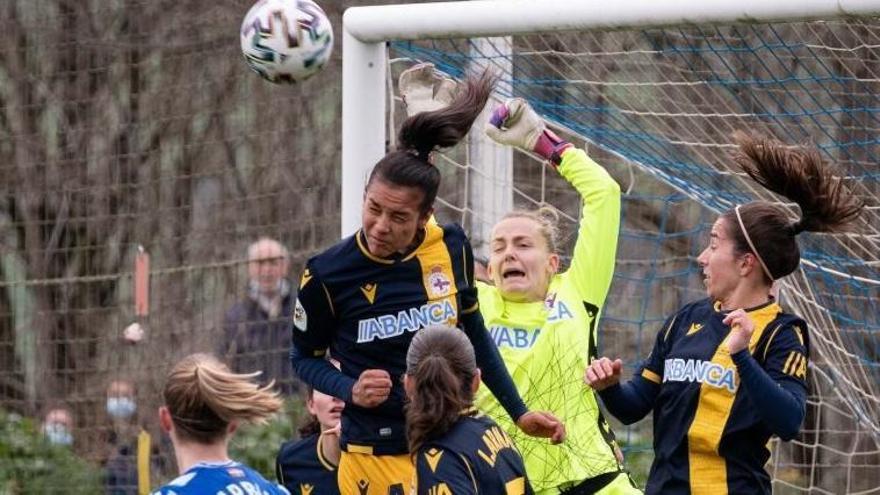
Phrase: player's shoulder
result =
(294, 450)
(334, 257)
(786, 330)
(213, 478)
(453, 233)
(467, 431)
(694, 312)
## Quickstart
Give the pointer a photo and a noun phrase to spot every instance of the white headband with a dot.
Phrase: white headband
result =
(749, 241)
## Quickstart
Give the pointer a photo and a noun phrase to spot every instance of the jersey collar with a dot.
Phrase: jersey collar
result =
(429, 233)
(768, 307)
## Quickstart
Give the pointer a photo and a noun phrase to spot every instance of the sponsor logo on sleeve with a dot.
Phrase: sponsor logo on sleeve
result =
(300, 318)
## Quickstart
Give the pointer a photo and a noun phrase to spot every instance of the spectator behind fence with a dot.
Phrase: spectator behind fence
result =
(58, 426)
(121, 476)
(257, 328)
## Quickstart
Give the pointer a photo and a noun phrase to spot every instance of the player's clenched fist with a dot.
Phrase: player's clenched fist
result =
(603, 373)
(372, 388)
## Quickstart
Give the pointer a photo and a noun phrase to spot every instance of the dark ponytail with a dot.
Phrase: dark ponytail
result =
(441, 366)
(800, 175)
(425, 132)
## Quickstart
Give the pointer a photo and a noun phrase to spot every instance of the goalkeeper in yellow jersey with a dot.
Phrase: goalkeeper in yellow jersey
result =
(544, 322)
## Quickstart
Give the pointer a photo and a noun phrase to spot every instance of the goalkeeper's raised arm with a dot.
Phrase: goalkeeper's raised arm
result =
(543, 321)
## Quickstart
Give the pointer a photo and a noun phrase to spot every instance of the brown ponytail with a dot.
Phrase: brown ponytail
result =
(441, 364)
(799, 174)
(203, 397)
(425, 132)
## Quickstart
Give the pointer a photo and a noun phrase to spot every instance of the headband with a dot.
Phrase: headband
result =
(749, 241)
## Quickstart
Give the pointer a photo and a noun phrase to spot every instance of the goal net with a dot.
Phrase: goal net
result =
(657, 107)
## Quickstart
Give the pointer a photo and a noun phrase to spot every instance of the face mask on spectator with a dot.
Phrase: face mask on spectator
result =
(57, 434)
(120, 407)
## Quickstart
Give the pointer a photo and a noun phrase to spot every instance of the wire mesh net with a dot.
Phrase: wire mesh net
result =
(658, 107)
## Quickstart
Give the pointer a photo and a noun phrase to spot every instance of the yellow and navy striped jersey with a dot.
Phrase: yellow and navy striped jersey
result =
(302, 468)
(366, 309)
(708, 436)
(474, 457)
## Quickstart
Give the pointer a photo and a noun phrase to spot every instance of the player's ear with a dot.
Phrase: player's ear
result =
(553, 261)
(408, 385)
(746, 264)
(426, 217)
(233, 425)
(475, 383)
(165, 419)
(310, 405)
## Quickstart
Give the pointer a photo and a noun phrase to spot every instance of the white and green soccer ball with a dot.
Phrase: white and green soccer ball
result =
(286, 41)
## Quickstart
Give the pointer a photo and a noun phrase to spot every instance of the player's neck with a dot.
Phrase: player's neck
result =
(746, 296)
(191, 453)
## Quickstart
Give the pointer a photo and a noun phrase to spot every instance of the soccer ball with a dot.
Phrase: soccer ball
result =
(286, 40)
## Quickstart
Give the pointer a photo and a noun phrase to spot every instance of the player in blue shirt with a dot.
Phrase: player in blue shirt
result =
(729, 371)
(308, 466)
(204, 404)
(364, 298)
(456, 451)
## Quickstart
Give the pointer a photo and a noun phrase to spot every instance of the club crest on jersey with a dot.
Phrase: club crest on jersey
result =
(408, 320)
(300, 319)
(235, 472)
(699, 371)
(438, 283)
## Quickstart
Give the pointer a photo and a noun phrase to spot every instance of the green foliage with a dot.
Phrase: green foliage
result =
(257, 445)
(30, 464)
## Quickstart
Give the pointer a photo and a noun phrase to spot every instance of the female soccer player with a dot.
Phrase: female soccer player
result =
(204, 404)
(308, 465)
(456, 451)
(366, 297)
(729, 371)
(544, 322)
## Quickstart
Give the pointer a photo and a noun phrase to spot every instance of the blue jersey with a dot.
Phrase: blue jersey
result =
(302, 468)
(221, 478)
(474, 456)
(708, 438)
(365, 310)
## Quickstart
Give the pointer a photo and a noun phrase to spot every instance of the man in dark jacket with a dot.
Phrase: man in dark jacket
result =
(257, 328)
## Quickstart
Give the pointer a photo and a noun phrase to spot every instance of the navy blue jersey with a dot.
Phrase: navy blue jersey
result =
(366, 309)
(707, 437)
(226, 478)
(302, 468)
(474, 456)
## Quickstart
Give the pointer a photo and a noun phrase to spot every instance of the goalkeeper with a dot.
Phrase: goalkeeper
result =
(544, 322)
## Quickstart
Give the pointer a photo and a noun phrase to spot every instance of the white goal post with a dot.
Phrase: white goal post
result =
(365, 31)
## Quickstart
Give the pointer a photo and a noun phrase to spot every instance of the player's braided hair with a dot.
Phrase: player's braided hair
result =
(203, 397)
(441, 364)
(799, 174)
(425, 132)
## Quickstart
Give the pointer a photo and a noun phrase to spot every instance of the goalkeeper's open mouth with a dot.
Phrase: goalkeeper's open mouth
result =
(513, 274)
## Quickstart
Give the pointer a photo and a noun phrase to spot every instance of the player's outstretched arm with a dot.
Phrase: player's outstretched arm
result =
(628, 402)
(516, 124)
